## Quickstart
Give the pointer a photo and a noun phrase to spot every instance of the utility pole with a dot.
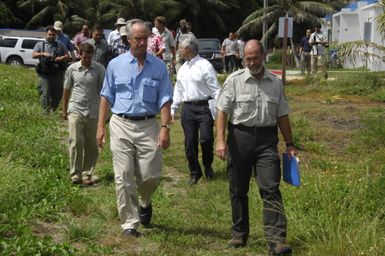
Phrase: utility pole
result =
(284, 50)
(264, 26)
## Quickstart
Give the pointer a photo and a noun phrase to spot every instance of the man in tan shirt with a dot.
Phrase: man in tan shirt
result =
(253, 103)
(81, 97)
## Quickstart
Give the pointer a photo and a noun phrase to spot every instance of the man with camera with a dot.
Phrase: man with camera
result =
(52, 57)
(318, 43)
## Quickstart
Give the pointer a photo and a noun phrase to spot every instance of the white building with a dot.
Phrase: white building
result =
(357, 22)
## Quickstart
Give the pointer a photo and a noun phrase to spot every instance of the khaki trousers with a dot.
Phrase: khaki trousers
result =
(137, 163)
(83, 149)
(317, 61)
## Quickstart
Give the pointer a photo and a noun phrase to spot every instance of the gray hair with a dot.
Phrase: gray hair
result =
(132, 22)
(191, 43)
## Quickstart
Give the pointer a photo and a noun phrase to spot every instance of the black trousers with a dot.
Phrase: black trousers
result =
(255, 148)
(197, 122)
(231, 63)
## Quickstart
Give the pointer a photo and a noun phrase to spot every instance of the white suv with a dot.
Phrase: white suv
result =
(16, 50)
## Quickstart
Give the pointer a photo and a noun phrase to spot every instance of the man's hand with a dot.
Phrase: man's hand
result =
(291, 151)
(164, 138)
(100, 136)
(221, 150)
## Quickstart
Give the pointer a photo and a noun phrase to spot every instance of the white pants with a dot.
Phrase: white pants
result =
(137, 163)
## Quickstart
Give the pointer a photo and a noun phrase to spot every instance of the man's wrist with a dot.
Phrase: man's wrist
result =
(167, 126)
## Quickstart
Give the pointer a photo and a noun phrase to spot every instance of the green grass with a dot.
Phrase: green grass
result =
(338, 210)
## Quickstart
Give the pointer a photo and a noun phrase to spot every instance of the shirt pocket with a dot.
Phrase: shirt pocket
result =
(123, 89)
(244, 104)
(272, 106)
(150, 90)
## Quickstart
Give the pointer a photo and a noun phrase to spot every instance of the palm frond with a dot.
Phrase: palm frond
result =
(355, 51)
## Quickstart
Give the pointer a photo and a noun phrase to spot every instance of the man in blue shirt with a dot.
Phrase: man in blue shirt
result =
(64, 39)
(136, 87)
(304, 51)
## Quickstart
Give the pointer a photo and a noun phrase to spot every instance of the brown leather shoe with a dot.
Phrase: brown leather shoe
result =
(236, 243)
(87, 181)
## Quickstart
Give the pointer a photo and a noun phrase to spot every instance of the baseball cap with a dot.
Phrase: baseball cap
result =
(58, 25)
(120, 21)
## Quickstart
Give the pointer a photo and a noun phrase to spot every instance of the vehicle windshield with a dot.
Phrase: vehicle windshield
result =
(208, 44)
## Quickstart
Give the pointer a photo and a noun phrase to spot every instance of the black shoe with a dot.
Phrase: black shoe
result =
(209, 172)
(132, 232)
(194, 180)
(145, 215)
(280, 250)
(236, 243)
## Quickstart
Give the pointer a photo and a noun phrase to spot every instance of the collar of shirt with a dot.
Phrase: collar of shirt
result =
(266, 74)
(132, 58)
(79, 65)
(193, 60)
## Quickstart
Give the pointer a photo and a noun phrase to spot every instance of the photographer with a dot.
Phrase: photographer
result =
(318, 43)
(52, 57)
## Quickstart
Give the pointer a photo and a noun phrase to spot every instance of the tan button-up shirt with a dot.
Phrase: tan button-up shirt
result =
(85, 85)
(250, 102)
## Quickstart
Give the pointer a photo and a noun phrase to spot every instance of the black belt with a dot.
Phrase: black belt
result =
(255, 129)
(136, 118)
(197, 102)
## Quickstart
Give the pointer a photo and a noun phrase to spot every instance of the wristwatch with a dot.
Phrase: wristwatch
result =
(165, 126)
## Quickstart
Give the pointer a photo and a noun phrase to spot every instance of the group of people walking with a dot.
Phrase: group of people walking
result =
(135, 87)
(312, 50)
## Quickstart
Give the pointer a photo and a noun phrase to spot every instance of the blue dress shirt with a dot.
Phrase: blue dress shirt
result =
(136, 92)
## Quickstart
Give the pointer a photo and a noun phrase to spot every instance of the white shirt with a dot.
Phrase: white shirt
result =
(317, 49)
(112, 37)
(231, 46)
(196, 80)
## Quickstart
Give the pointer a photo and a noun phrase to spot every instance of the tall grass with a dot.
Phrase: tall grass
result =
(338, 210)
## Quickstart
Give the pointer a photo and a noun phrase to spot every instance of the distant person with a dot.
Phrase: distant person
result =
(63, 38)
(81, 98)
(114, 35)
(182, 35)
(102, 52)
(196, 84)
(241, 45)
(253, 105)
(52, 57)
(120, 45)
(136, 88)
(304, 51)
(81, 37)
(168, 54)
(155, 44)
(230, 51)
(318, 42)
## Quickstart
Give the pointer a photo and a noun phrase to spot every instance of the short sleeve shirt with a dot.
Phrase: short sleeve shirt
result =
(250, 102)
(136, 92)
(317, 49)
(56, 49)
(85, 85)
(231, 47)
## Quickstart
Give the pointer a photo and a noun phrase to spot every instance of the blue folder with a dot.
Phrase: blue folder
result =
(291, 170)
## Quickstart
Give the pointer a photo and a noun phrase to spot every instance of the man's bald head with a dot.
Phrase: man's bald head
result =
(254, 56)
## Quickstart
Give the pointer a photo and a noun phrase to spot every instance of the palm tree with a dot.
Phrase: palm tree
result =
(212, 16)
(363, 50)
(44, 10)
(301, 11)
